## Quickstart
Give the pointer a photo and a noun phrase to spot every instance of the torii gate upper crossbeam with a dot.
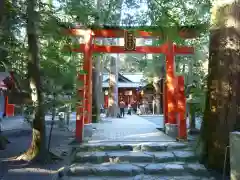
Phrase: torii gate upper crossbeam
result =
(184, 32)
(169, 49)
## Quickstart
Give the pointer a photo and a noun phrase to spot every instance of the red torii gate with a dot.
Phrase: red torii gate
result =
(174, 99)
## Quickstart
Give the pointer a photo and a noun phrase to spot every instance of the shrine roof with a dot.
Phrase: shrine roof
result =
(127, 78)
(134, 77)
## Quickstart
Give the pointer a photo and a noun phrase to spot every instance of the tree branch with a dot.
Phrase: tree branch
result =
(167, 13)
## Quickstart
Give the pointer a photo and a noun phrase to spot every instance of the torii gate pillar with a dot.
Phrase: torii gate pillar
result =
(84, 111)
(173, 94)
(171, 127)
(87, 67)
(181, 107)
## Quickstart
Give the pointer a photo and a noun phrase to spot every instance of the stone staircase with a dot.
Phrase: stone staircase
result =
(135, 161)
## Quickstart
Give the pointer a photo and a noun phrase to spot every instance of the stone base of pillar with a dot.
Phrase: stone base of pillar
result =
(88, 130)
(171, 130)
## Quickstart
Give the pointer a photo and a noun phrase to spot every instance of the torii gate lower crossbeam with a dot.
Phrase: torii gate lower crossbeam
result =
(179, 50)
(169, 49)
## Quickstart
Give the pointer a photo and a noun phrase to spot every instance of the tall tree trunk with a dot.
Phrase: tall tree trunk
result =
(113, 83)
(222, 113)
(158, 70)
(97, 84)
(2, 9)
(37, 150)
(101, 97)
(157, 88)
(3, 19)
(191, 109)
(112, 105)
(95, 103)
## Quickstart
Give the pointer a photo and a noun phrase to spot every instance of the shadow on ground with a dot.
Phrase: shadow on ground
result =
(20, 140)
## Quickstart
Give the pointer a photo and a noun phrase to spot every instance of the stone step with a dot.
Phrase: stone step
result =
(136, 146)
(134, 157)
(126, 169)
(142, 177)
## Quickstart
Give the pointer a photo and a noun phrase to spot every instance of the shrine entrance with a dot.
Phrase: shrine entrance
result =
(174, 98)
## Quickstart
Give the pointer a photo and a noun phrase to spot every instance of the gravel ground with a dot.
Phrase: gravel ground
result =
(19, 143)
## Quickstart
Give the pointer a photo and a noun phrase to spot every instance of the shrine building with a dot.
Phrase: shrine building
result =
(129, 86)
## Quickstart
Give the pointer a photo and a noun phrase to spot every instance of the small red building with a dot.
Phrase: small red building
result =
(11, 93)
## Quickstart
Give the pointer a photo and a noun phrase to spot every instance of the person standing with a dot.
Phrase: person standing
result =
(122, 106)
(129, 109)
(134, 106)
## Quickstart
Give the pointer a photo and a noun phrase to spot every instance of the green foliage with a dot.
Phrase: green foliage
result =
(59, 68)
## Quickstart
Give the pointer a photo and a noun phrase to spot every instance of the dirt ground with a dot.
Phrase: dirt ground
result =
(19, 143)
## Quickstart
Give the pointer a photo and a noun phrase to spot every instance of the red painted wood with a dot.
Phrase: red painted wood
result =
(169, 49)
(110, 33)
(79, 125)
(118, 33)
(120, 49)
(80, 108)
(139, 49)
(10, 110)
(181, 107)
(87, 66)
(170, 77)
(106, 101)
(182, 50)
(165, 107)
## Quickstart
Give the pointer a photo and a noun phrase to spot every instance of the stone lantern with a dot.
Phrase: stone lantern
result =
(191, 102)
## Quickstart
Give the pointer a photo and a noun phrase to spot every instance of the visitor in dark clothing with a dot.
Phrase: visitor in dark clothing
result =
(134, 106)
(122, 106)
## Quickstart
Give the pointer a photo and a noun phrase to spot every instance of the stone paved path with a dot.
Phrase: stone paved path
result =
(130, 128)
(133, 149)
(158, 120)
